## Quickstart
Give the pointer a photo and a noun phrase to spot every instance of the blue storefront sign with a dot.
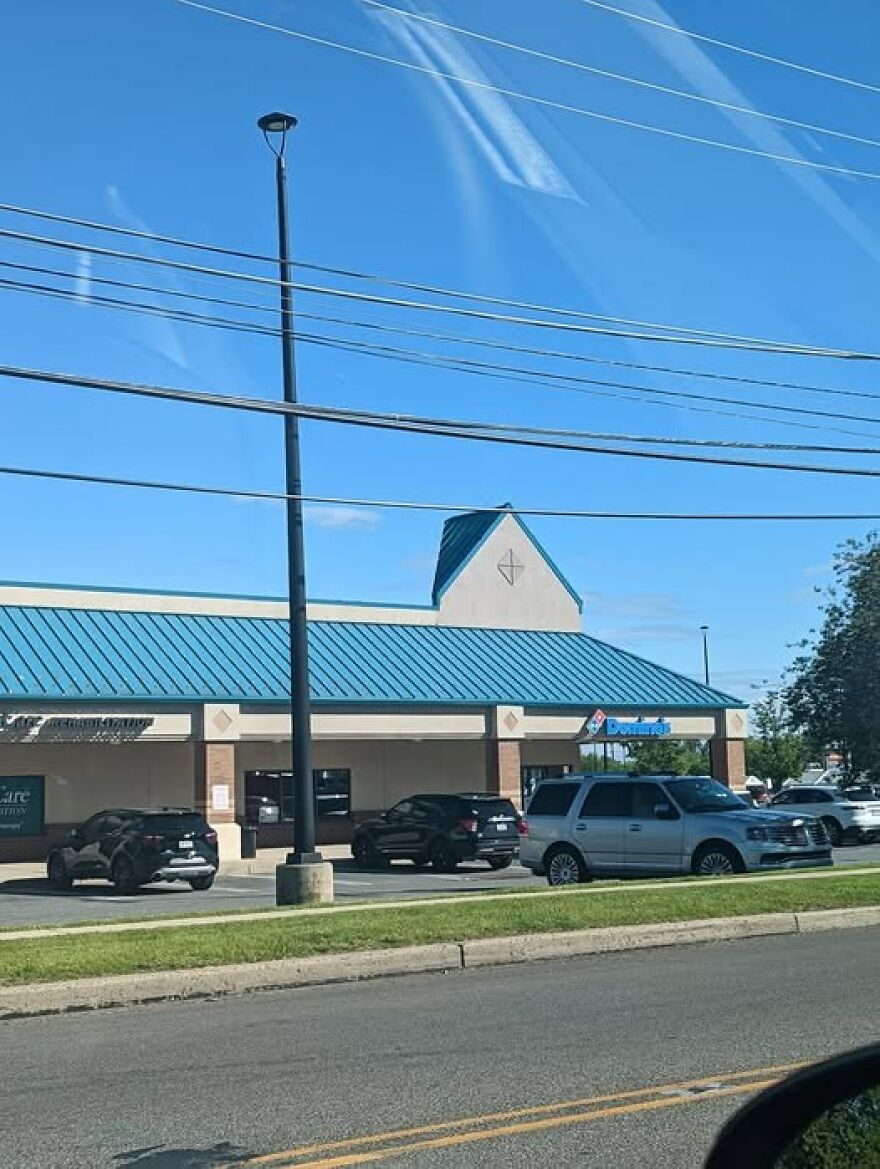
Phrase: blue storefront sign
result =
(616, 728)
(22, 805)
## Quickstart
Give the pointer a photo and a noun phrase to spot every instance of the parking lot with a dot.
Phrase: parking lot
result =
(28, 900)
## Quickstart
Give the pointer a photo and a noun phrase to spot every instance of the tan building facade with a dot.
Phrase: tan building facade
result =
(119, 698)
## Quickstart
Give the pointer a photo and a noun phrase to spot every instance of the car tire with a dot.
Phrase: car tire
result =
(442, 857)
(122, 875)
(202, 884)
(364, 852)
(56, 871)
(834, 830)
(500, 862)
(565, 866)
(716, 860)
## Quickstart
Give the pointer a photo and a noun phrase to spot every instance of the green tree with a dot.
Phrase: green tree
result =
(594, 760)
(776, 753)
(834, 697)
(668, 756)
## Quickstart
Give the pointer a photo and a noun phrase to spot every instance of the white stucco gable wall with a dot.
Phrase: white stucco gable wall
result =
(482, 595)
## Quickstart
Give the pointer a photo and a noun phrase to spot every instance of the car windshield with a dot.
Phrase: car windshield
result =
(702, 794)
(860, 794)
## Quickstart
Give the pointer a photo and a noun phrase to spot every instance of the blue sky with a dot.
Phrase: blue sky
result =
(142, 114)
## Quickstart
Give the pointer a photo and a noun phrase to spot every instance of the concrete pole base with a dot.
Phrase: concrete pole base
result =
(304, 884)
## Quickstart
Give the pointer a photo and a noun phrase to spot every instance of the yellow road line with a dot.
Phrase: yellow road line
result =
(287, 1155)
(527, 1126)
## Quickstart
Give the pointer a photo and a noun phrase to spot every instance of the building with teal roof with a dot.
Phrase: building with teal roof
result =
(120, 697)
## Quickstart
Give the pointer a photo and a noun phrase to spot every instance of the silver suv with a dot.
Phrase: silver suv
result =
(585, 825)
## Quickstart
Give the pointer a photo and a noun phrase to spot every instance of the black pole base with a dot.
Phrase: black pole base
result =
(304, 858)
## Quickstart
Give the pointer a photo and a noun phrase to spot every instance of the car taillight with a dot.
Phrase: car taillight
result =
(151, 841)
(522, 826)
(210, 837)
(468, 825)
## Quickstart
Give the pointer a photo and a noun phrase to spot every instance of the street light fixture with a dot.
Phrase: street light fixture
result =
(304, 877)
(704, 629)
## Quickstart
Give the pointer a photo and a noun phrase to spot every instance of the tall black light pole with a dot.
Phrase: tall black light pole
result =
(275, 129)
(704, 629)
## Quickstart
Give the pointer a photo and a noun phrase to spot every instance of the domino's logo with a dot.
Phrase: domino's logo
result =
(596, 722)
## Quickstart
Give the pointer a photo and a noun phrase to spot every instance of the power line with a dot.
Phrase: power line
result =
(532, 377)
(733, 48)
(347, 273)
(438, 427)
(709, 341)
(412, 505)
(750, 111)
(457, 339)
(647, 127)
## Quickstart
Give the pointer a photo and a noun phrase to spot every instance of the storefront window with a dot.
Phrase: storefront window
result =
(532, 775)
(269, 794)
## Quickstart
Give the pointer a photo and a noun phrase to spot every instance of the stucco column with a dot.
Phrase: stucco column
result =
(728, 761)
(215, 794)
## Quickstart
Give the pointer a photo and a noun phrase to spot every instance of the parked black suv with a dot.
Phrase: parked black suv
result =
(133, 847)
(441, 830)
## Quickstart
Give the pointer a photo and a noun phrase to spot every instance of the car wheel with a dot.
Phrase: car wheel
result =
(122, 875)
(834, 830)
(500, 862)
(442, 857)
(716, 860)
(565, 866)
(364, 852)
(201, 884)
(56, 870)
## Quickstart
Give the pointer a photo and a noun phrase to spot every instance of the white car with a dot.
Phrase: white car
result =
(845, 818)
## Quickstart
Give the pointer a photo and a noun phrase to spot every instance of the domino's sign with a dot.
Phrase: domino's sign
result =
(615, 728)
(639, 729)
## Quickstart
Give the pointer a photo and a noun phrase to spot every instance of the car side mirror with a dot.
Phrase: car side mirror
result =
(665, 812)
(808, 1119)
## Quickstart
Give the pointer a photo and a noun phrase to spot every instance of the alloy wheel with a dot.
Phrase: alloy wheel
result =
(563, 869)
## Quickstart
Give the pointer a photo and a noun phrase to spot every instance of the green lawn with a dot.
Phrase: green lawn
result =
(42, 959)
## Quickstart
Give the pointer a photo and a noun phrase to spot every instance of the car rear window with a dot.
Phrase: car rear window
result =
(168, 823)
(485, 808)
(552, 799)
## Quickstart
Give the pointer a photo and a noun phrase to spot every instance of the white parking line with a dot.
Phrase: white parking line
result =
(354, 884)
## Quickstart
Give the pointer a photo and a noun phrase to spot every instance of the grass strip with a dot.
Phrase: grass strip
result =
(47, 959)
(598, 886)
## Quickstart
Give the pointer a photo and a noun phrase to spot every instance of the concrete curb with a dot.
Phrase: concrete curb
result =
(212, 981)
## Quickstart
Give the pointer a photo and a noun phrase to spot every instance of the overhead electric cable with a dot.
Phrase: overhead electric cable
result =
(438, 427)
(708, 341)
(569, 63)
(827, 75)
(459, 364)
(413, 505)
(647, 127)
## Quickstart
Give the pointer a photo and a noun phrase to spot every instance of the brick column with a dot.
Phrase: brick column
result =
(728, 761)
(503, 768)
(215, 794)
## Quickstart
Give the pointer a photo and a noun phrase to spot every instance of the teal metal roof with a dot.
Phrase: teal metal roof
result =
(104, 655)
(463, 535)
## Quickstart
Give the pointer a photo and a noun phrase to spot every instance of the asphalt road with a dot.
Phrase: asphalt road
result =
(32, 902)
(198, 1085)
